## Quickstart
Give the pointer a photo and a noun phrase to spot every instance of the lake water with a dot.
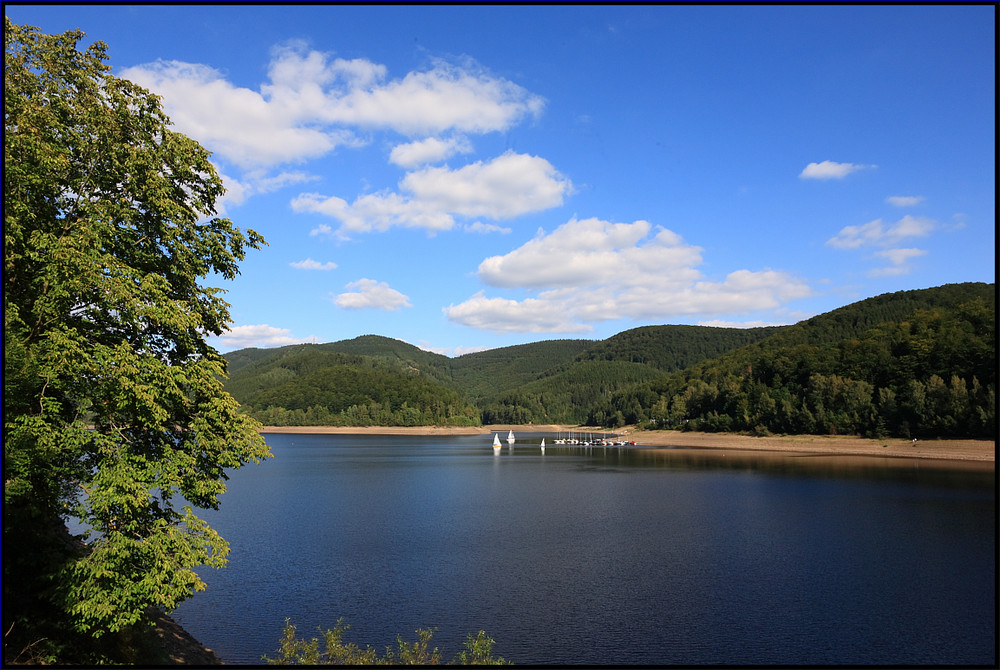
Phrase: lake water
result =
(605, 556)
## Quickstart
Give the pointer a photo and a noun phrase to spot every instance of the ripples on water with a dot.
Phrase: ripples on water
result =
(605, 556)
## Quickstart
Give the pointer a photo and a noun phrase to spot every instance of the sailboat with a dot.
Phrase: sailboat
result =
(496, 442)
(543, 445)
(510, 437)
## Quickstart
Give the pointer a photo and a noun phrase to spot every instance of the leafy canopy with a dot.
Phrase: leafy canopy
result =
(114, 410)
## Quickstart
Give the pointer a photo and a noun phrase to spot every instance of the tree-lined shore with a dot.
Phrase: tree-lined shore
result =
(911, 364)
(839, 445)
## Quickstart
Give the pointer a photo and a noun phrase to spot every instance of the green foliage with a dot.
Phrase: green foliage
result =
(113, 401)
(319, 385)
(571, 381)
(913, 362)
(479, 651)
(299, 651)
(929, 370)
(486, 376)
(558, 381)
(671, 348)
(567, 396)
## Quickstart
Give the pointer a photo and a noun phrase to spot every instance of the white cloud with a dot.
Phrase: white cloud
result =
(904, 200)
(450, 351)
(321, 229)
(371, 294)
(877, 233)
(899, 258)
(310, 264)
(262, 336)
(239, 124)
(485, 228)
(312, 103)
(503, 315)
(593, 270)
(852, 237)
(462, 97)
(830, 170)
(235, 195)
(887, 239)
(430, 150)
(508, 186)
(372, 212)
(253, 183)
(315, 103)
(592, 251)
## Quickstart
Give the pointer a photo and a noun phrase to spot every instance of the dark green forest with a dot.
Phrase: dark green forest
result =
(919, 363)
(393, 384)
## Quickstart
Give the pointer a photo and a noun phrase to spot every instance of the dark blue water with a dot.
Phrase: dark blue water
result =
(605, 556)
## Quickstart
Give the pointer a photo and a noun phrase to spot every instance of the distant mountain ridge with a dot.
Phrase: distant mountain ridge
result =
(756, 379)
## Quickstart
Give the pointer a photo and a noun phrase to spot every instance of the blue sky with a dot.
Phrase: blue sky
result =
(464, 178)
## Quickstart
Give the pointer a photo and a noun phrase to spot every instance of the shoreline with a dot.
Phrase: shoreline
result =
(949, 450)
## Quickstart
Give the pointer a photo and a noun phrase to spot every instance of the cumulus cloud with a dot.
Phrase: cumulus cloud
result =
(877, 233)
(371, 294)
(899, 259)
(463, 97)
(261, 336)
(253, 183)
(507, 186)
(237, 123)
(900, 256)
(314, 103)
(886, 238)
(321, 229)
(430, 150)
(591, 270)
(532, 315)
(372, 212)
(310, 264)
(262, 183)
(593, 251)
(485, 228)
(830, 170)
(904, 200)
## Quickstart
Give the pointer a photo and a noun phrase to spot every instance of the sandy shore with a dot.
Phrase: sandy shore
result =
(957, 450)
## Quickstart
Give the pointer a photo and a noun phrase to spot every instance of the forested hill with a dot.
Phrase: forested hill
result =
(487, 375)
(563, 380)
(915, 362)
(370, 380)
(674, 347)
(552, 380)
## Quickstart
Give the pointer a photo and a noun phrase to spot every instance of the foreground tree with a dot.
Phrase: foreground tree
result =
(113, 407)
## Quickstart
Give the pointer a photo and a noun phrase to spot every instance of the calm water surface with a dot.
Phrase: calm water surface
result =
(606, 556)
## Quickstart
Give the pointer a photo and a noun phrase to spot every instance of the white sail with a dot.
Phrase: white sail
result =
(496, 440)
(510, 437)
(543, 445)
